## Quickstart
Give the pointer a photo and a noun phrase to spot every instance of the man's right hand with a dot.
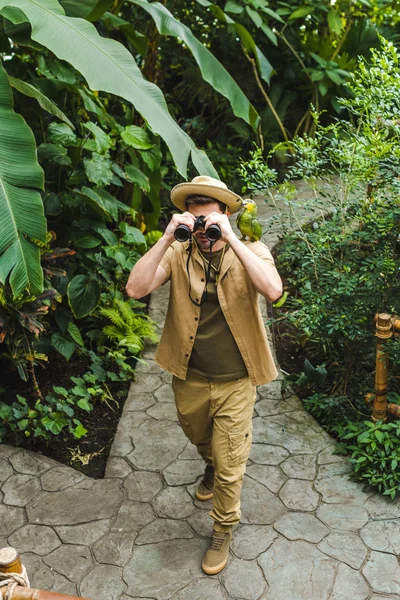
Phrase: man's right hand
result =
(185, 218)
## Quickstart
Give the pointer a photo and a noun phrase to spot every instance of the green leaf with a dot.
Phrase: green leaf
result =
(63, 345)
(137, 137)
(137, 176)
(79, 431)
(77, 8)
(233, 7)
(21, 206)
(107, 66)
(84, 239)
(379, 436)
(302, 11)
(254, 16)
(98, 169)
(133, 235)
(60, 133)
(102, 140)
(334, 22)
(211, 69)
(323, 88)
(83, 295)
(269, 33)
(52, 204)
(152, 158)
(48, 105)
(309, 370)
(84, 404)
(54, 153)
(333, 76)
(103, 203)
(74, 332)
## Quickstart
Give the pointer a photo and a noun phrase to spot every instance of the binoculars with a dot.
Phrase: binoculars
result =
(183, 233)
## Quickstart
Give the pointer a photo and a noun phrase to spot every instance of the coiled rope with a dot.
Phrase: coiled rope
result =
(11, 580)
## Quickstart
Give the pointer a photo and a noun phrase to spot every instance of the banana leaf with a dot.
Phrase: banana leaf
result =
(211, 69)
(108, 66)
(21, 206)
(48, 105)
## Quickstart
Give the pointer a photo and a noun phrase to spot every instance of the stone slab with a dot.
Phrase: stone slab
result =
(156, 445)
(174, 503)
(382, 572)
(115, 548)
(161, 530)
(38, 539)
(11, 519)
(103, 583)
(346, 547)
(249, 541)
(86, 501)
(343, 516)
(201, 589)
(243, 579)
(297, 570)
(72, 561)
(298, 494)
(84, 533)
(259, 505)
(19, 489)
(60, 478)
(270, 476)
(177, 563)
(383, 536)
(265, 454)
(300, 466)
(301, 526)
(132, 516)
(142, 486)
(183, 472)
(30, 463)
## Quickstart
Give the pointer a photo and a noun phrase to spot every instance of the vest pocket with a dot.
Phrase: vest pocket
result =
(239, 447)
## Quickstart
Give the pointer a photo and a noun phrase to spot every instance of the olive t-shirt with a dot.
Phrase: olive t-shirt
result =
(215, 354)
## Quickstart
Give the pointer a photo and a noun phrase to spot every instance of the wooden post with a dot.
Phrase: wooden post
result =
(384, 331)
(10, 562)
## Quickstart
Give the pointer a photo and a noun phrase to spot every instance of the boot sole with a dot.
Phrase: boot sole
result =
(205, 497)
(214, 570)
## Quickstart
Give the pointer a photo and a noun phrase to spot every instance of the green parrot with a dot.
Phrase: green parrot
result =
(247, 221)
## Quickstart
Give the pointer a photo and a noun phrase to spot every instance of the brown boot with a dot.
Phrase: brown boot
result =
(205, 488)
(216, 557)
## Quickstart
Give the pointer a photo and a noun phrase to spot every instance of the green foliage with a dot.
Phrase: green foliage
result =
(375, 453)
(45, 419)
(127, 329)
(341, 267)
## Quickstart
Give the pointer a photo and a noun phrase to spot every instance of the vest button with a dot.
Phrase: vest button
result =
(187, 355)
(196, 319)
(191, 337)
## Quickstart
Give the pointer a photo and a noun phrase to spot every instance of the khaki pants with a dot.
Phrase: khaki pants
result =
(217, 418)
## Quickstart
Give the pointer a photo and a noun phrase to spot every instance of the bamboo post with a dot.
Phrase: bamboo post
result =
(384, 331)
(10, 562)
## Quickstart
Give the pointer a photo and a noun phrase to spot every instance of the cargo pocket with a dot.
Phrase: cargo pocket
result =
(239, 447)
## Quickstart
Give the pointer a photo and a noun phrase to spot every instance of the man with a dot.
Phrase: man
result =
(214, 341)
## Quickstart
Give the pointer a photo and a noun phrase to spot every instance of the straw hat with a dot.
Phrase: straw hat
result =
(205, 186)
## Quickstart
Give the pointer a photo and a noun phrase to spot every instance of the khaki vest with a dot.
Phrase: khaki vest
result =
(239, 301)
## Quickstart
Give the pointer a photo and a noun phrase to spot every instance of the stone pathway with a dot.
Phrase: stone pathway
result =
(308, 532)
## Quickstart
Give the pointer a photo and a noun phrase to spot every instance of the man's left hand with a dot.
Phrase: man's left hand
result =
(216, 218)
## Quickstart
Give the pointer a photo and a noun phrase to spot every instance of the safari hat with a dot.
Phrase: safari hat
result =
(205, 186)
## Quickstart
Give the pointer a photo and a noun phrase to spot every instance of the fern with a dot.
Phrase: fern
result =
(128, 328)
(114, 316)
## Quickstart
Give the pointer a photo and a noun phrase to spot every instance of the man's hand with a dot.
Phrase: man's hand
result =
(216, 218)
(185, 218)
